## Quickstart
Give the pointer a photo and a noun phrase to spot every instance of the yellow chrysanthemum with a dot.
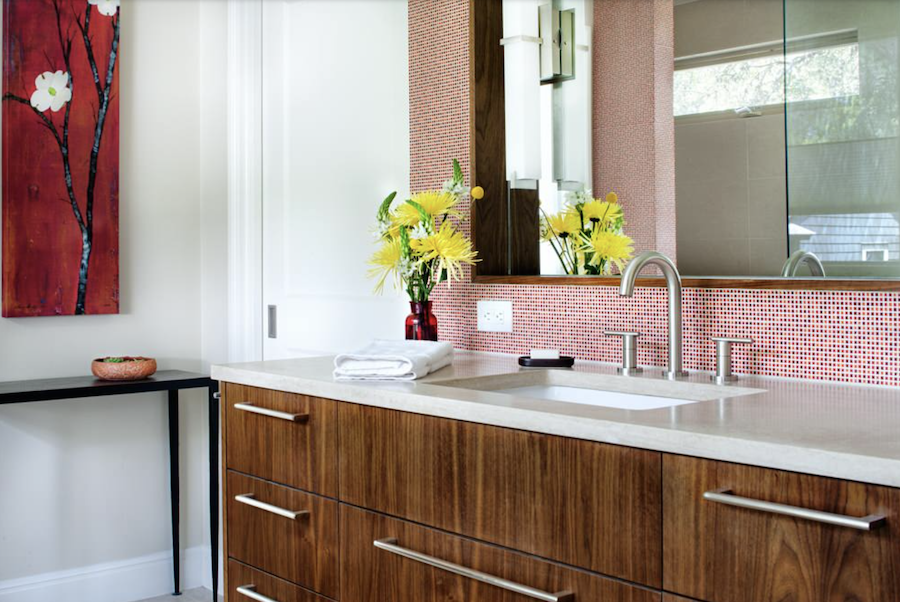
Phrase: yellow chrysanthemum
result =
(563, 224)
(385, 261)
(602, 212)
(612, 198)
(450, 248)
(433, 202)
(611, 247)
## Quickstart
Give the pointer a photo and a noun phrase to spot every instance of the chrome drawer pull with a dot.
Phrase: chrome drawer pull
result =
(250, 592)
(249, 407)
(250, 500)
(390, 544)
(866, 523)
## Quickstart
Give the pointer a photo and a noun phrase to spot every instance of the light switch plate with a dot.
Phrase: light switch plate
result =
(495, 316)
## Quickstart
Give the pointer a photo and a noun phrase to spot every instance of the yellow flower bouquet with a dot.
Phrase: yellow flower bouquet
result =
(588, 236)
(419, 245)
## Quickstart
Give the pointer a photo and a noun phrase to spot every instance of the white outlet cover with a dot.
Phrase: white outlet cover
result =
(495, 316)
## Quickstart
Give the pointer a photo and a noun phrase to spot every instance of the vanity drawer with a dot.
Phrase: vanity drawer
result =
(586, 504)
(718, 552)
(242, 578)
(261, 533)
(373, 574)
(282, 437)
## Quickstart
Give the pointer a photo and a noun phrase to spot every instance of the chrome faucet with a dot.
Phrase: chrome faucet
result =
(797, 259)
(673, 285)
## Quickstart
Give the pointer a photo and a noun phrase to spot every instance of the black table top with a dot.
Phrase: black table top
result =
(46, 389)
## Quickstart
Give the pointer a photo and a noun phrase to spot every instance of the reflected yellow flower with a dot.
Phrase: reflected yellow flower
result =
(563, 224)
(607, 246)
(602, 212)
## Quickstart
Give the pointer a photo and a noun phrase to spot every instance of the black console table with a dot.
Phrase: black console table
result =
(171, 381)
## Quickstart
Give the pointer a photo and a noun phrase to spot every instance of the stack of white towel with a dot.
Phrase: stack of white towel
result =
(393, 360)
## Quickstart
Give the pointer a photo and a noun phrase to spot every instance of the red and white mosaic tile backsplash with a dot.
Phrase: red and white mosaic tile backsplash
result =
(837, 336)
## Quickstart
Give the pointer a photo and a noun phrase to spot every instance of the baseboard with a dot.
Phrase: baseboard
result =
(119, 581)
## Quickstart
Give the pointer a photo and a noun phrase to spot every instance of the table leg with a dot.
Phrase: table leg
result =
(214, 485)
(174, 489)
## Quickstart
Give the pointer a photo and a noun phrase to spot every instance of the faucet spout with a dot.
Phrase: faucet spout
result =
(798, 259)
(673, 286)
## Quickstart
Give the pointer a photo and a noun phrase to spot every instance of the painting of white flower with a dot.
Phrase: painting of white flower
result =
(60, 184)
(106, 7)
(52, 91)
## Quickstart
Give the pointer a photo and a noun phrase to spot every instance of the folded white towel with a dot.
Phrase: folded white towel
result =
(393, 360)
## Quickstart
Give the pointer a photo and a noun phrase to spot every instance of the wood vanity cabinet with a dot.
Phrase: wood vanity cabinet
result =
(371, 574)
(263, 442)
(590, 505)
(328, 500)
(721, 553)
(250, 580)
(303, 549)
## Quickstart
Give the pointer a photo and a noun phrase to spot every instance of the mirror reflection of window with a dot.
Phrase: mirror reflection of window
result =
(843, 156)
(730, 170)
(786, 118)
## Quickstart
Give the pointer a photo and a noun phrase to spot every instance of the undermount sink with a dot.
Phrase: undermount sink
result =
(621, 392)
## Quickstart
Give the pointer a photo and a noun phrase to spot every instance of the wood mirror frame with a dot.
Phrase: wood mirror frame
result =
(506, 240)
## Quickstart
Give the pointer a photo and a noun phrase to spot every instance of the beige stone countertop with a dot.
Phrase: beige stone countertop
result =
(827, 429)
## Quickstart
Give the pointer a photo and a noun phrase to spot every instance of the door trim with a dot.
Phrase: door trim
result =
(244, 142)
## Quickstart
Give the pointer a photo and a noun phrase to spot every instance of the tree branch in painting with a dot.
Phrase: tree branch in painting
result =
(55, 90)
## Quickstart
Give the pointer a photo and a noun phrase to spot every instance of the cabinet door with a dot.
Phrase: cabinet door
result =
(282, 437)
(262, 532)
(373, 574)
(245, 584)
(721, 553)
(585, 504)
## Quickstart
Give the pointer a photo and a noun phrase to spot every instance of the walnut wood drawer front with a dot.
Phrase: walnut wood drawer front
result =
(246, 584)
(282, 437)
(720, 552)
(411, 563)
(585, 504)
(282, 531)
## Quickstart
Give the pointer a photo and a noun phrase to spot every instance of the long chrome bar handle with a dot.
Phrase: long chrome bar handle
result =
(390, 545)
(250, 592)
(866, 523)
(250, 500)
(253, 409)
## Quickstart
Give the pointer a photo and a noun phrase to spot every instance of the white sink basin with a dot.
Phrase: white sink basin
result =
(602, 390)
(597, 397)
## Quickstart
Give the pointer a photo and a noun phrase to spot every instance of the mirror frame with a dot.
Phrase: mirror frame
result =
(500, 235)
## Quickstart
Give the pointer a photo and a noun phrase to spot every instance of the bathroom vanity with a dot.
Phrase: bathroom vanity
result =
(456, 488)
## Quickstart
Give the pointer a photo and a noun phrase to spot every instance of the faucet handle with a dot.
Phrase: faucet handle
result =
(723, 357)
(629, 351)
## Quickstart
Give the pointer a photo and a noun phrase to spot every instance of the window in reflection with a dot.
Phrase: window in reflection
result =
(787, 136)
(749, 78)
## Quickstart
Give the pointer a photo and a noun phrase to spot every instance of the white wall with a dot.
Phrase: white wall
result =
(85, 483)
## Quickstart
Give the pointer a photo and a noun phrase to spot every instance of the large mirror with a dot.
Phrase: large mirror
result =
(779, 119)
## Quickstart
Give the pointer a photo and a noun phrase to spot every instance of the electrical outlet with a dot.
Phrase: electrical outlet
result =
(495, 316)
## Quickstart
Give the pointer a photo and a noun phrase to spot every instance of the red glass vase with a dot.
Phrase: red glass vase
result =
(421, 325)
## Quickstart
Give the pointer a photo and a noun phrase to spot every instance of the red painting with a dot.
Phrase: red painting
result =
(60, 157)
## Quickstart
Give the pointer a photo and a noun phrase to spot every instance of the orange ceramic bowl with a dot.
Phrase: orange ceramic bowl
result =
(131, 368)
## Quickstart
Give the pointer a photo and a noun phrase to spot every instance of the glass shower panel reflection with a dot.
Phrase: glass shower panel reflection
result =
(842, 120)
